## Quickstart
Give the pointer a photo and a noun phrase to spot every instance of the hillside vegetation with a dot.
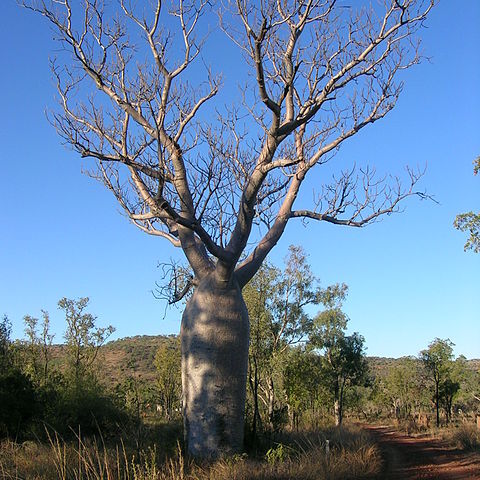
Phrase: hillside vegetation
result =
(136, 354)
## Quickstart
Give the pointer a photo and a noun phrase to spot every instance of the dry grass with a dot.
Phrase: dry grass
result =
(351, 455)
(465, 437)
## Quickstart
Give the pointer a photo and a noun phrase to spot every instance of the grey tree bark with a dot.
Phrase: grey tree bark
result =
(214, 336)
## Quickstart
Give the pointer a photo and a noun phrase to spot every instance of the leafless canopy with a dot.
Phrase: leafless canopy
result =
(138, 96)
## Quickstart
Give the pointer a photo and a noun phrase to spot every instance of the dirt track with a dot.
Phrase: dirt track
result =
(414, 458)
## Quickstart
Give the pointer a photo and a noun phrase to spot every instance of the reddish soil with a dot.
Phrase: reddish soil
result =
(423, 457)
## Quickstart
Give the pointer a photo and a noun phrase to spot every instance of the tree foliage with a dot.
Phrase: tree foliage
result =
(168, 372)
(303, 382)
(38, 347)
(83, 338)
(17, 394)
(276, 300)
(438, 359)
(470, 221)
(343, 355)
(403, 388)
(5, 344)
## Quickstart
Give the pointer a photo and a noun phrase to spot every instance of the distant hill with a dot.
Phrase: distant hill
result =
(128, 356)
(131, 355)
(118, 359)
(379, 366)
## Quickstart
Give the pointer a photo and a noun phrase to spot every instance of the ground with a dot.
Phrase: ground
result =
(423, 457)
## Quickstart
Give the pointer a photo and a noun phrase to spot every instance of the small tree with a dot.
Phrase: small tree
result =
(38, 347)
(6, 359)
(344, 361)
(32, 347)
(458, 386)
(168, 371)
(83, 340)
(258, 295)
(302, 379)
(17, 395)
(448, 390)
(437, 359)
(276, 302)
(402, 387)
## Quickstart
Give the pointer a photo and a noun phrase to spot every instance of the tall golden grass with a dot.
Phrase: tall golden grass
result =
(351, 455)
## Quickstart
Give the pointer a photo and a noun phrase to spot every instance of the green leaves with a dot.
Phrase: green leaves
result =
(438, 357)
(470, 222)
(168, 368)
(83, 338)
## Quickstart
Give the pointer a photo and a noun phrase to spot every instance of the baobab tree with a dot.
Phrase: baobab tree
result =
(218, 176)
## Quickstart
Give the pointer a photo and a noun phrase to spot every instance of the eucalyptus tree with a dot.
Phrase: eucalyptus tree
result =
(258, 295)
(276, 300)
(438, 361)
(6, 355)
(83, 340)
(402, 387)
(302, 384)
(219, 176)
(38, 347)
(343, 361)
(289, 325)
(168, 375)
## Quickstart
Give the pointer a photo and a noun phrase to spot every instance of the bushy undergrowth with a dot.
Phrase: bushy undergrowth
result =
(17, 403)
(466, 437)
(351, 455)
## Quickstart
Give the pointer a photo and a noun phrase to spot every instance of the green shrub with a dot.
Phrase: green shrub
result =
(17, 403)
(279, 453)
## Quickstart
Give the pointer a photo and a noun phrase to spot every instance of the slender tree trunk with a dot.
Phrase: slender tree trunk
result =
(271, 402)
(396, 409)
(342, 390)
(214, 337)
(336, 412)
(448, 408)
(254, 387)
(336, 405)
(437, 404)
(290, 413)
(45, 365)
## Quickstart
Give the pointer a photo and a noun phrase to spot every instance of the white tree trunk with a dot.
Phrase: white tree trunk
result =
(215, 336)
(337, 412)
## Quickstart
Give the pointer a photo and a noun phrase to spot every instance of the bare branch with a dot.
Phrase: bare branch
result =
(140, 104)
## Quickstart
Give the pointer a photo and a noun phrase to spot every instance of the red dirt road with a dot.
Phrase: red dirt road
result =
(415, 458)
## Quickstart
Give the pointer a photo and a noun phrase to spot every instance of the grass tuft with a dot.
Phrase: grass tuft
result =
(351, 455)
(467, 437)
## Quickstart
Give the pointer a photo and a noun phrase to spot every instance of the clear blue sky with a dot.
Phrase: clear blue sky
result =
(410, 281)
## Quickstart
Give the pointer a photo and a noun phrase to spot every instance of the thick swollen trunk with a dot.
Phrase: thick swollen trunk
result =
(214, 335)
